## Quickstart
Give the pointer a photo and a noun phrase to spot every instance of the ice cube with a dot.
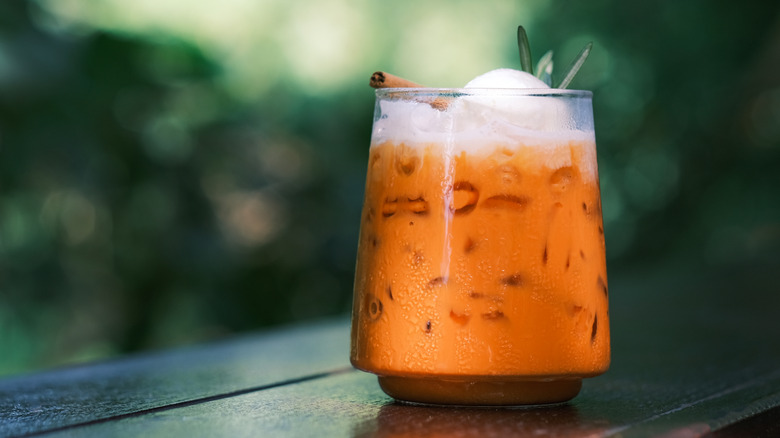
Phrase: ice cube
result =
(389, 207)
(417, 205)
(460, 318)
(506, 202)
(508, 174)
(464, 197)
(562, 178)
(406, 161)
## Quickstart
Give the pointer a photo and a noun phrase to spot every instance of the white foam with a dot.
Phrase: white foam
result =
(469, 120)
(478, 122)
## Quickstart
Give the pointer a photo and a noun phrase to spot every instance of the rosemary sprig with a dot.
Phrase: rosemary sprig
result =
(544, 67)
(575, 66)
(525, 50)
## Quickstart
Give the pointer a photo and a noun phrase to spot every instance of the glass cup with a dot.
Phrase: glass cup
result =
(481, 273)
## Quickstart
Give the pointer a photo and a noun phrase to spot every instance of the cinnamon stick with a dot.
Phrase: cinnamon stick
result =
(382, 79)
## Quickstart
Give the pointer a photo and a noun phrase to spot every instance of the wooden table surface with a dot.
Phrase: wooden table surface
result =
(695, 353)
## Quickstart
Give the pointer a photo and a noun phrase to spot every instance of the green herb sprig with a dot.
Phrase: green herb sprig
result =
(544, 67)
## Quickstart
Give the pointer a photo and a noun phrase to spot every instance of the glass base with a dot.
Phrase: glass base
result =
(479, 392)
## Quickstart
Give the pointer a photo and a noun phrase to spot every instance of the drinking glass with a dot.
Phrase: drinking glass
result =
(481, 273)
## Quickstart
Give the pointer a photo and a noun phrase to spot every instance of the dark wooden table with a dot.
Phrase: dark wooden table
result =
(695, 353)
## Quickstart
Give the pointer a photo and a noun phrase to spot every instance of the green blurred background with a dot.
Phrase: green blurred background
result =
(174, 171)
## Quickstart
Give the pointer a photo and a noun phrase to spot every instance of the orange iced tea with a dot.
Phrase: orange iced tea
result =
(481, 274)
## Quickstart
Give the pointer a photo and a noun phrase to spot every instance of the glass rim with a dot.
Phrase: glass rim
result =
(459, 92)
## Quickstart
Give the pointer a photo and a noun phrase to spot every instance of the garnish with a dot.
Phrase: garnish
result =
(545, 65)
(575, 65)
(544, 68)
(525, 50)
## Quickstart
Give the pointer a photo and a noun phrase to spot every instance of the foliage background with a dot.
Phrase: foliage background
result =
(173, 172)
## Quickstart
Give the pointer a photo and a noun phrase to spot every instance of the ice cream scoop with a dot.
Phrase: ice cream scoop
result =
(506, 78)
(505, 110)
